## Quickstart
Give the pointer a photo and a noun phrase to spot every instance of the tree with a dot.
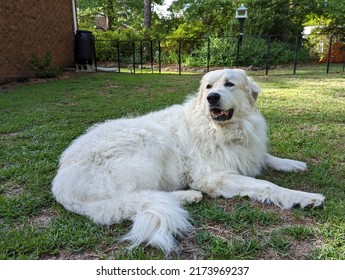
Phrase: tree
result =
(215, 17)
(285, 17)
(330, 18)
(120, 13)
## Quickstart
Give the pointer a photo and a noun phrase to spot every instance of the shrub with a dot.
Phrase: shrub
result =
(194, 51)
(43, 67)
(107, 44)
(253, 51)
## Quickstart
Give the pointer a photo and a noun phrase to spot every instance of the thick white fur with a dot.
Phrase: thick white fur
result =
(143, 169)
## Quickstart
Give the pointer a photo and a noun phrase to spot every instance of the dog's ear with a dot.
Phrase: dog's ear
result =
(254, 88)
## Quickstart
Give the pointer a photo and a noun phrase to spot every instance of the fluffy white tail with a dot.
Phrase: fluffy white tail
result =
(157, 216)
(160, 219)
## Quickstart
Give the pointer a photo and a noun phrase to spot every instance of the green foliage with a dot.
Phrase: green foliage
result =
(43, 66)
(187, 37)
(194, 51)
(121, 13)
(253, 51)
(191, 30)
(212, 19)
(330, 17)
(107, 43)
(264, 17)
(277, 16)
(217, 17)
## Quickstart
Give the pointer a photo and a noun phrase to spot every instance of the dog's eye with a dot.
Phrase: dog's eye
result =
(229, 84)
(209, 86)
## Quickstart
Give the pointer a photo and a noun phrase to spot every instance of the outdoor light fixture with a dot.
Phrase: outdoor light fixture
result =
(241, 15)
(242, 12)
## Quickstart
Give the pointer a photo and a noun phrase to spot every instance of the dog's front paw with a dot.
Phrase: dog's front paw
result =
(289, 165)
(297, 166)
(285, 164)
(307, 200)
(188, 196)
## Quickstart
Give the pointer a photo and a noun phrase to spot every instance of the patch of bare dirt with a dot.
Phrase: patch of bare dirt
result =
(14, 191)
(64, 255)
(23, 81)
(188, 248)
(44, 219)
(297, 250)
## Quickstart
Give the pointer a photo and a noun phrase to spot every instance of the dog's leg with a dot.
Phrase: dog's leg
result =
(284, 164)
(188, 196)
(230, 185)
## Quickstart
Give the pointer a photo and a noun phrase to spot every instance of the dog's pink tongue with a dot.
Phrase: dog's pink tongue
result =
(216, 112)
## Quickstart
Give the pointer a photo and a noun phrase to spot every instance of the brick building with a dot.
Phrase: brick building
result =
(35, 27)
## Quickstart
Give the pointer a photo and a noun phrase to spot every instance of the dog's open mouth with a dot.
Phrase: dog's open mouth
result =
(220, 115)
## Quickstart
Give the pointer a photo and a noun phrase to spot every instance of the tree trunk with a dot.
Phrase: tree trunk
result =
(110, 13)
(147, 14)
(147, 24)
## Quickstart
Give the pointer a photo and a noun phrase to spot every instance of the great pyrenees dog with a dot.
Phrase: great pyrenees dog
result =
(144, 169)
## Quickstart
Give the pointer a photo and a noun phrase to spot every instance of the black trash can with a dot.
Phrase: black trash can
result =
(84, 50)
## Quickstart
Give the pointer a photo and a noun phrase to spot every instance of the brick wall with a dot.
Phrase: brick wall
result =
(34, 27)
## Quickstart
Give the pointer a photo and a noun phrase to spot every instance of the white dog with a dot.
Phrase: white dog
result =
(143, 169)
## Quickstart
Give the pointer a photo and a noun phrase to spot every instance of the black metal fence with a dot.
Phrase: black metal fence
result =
(255, 52)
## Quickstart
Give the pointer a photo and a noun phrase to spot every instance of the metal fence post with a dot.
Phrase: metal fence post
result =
(238, 51)
(208, 53)
(118, 55)
(295, 55)
(179, 56)
(329, 53)
(151, 55)
(141, 56)
(268, 40)
(159, 57)
(133, 49)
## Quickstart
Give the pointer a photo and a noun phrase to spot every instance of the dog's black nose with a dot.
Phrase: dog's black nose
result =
(213, 98)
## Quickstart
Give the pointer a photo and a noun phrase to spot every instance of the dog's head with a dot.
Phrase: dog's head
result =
(228, 93)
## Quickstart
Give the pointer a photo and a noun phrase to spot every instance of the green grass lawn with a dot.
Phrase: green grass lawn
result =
(306, 117)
